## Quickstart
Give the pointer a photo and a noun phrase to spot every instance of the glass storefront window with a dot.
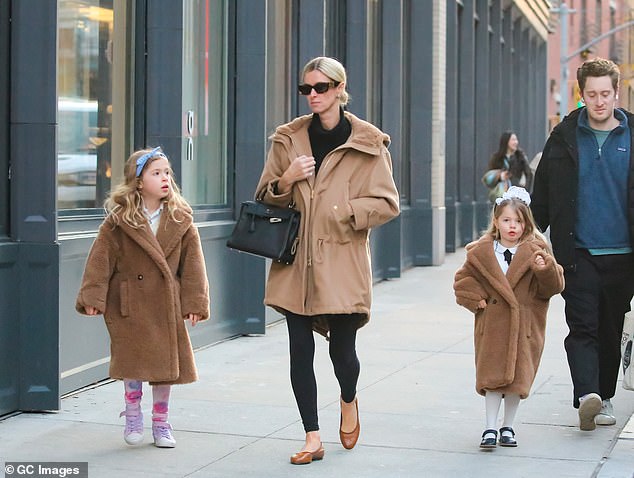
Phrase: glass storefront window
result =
(204, 165)
(85, 32)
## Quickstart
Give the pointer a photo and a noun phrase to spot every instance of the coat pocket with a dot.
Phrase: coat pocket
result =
(340, 228)
(123, 296)
(479, 322)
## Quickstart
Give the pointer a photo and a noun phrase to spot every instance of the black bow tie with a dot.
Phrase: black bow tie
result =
(508, 255)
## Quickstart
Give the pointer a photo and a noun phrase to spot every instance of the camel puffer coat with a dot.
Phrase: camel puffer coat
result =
(145, 285)
(510, 330)
(353, 192)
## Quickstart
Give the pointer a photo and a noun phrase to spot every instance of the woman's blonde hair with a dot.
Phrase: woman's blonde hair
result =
(531, 231)
(333, 70)
(125, 203)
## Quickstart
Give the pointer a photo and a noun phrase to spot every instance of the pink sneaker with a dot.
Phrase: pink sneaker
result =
(163, 435)
(133, 433)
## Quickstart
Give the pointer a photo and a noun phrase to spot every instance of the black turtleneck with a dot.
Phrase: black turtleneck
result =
(323, 141)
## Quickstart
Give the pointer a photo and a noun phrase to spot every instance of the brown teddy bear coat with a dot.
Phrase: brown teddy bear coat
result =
(145, 285)
(510, 330)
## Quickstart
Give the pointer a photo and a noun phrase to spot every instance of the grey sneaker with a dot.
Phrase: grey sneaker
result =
(133, 432)
(162, 432)
(589, 407)
(606, 415)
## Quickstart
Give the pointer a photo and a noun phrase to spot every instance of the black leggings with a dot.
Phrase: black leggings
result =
(343, 334)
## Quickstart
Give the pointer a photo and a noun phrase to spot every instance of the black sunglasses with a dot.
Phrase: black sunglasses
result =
(319, 88)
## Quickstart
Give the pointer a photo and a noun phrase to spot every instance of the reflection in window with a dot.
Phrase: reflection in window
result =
(85, 32)
(204, 166)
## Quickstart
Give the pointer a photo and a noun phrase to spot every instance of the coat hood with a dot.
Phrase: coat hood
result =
(364, 137)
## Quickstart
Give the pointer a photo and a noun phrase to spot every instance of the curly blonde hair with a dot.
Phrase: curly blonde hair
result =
(125, 203)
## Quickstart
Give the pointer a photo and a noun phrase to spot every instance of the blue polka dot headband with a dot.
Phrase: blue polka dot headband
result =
(140, 162)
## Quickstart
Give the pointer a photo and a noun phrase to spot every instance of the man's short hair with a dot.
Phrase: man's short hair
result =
(598, 67)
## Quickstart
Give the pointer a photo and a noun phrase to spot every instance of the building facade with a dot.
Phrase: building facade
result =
(86, 82)
(593, 28)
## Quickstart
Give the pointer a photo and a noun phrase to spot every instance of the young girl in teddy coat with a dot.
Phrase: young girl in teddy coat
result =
(507, 280)
(146, 274)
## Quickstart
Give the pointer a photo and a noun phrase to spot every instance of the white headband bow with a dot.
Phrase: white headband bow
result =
(515, 192)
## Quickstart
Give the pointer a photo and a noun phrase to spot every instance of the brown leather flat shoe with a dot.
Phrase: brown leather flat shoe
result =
(349, 439)
(306, 457)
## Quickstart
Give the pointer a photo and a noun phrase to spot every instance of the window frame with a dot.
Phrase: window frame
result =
(226, 211)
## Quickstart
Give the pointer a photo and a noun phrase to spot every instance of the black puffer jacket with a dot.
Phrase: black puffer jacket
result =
(554, 198)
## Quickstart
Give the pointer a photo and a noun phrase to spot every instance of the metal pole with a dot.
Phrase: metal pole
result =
(563, 62)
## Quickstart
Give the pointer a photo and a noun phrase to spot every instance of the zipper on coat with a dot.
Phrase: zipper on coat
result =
(309, 261)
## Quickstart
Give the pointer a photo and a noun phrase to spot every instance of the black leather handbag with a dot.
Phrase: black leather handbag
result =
(266, 231)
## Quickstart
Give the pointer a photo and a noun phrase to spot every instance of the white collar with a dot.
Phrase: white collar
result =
(152, 217)
(499, 248)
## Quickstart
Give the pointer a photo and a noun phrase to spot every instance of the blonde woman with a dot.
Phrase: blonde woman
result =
(336, 169)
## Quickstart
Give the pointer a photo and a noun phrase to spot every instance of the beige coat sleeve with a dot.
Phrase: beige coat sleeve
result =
(193, 276)
(467, 289)
(550, 280)
(98, 271)
(378, 201)
(277, 162)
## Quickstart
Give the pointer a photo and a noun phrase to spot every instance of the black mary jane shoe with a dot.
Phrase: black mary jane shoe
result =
(506, 440)
(489, 442)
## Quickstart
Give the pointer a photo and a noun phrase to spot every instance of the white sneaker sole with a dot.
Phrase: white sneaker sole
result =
(133, 438)
(588, 409)
(164, 444)
(602, 419)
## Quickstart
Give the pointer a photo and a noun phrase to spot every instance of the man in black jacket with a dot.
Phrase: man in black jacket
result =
(584, 190)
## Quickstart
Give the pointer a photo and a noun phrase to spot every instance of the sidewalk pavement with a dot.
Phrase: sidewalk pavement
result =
(420, 414)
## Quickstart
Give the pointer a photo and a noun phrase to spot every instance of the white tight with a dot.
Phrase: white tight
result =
(493, 400)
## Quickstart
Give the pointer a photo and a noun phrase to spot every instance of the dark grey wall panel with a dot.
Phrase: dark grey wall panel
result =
(420, 124)
(33, 195)
(10, 329)
(33, 61)
(163, 94)
(483, 91)
(391, 96)
(466, 122)
(5, 42)
(39, 330)
(451, 128)
(408, 247)
(356, 55)
(32, 143)
(308, 43)
(496, 74)
(506, 98)
(250, 101)
(250, 149)
(33, 114)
